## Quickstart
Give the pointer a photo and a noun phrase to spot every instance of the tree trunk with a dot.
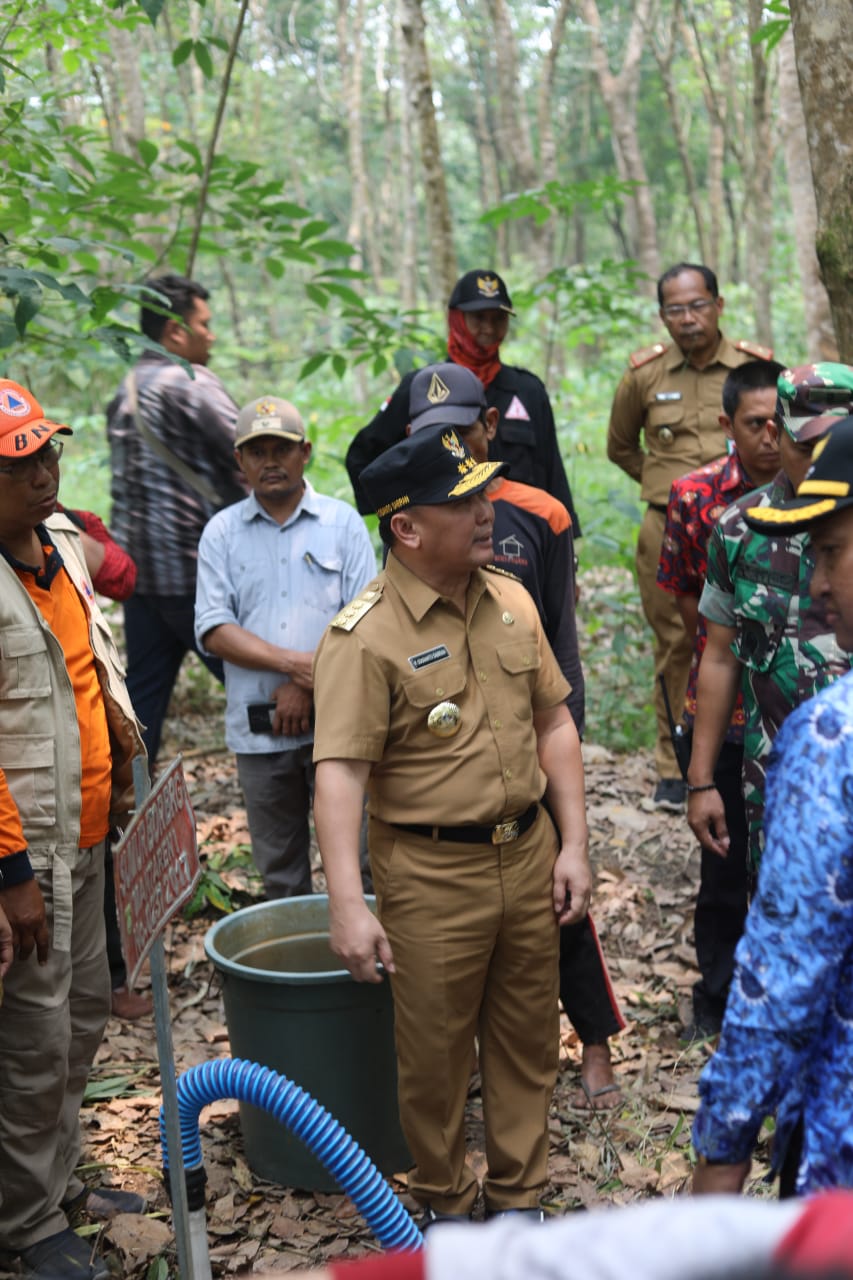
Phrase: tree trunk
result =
(820, 334)
(513, 128)
(664, 51)
(487, 155)
(760, 184)
(821, 46)
(407, 204)
(547, 142)
(443, 271)
(620, 99)
(351, 58)
(125, 49)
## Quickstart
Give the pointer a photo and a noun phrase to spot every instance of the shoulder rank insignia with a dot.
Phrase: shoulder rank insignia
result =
(753, 349)
(351, 614)
(646, 354)
(504, 573)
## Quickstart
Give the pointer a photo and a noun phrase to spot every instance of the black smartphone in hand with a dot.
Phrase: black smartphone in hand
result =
(260, 716)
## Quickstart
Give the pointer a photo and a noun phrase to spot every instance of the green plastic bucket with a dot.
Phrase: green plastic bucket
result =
(290, 1007)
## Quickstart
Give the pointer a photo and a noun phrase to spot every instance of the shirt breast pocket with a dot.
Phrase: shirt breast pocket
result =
(24, 665)
(520, 662)
(760, 620)
(667, 414)
(439, 682)
(324, 582)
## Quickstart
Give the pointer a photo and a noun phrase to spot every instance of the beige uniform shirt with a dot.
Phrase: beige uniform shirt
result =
(406, 651)
(676, 410)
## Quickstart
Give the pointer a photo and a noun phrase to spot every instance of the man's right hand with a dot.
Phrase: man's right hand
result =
(293, 708)
(707, 817)
(357, 938)
(24, 908)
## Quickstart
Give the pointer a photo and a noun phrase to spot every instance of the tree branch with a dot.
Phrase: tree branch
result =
(214, 137)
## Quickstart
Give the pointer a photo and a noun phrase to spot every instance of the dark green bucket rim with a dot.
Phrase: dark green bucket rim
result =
(236, 969)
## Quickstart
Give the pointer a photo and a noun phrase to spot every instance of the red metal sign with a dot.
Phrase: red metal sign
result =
(156, 866)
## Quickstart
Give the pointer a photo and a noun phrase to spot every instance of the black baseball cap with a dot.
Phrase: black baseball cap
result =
(480, 291)
(427, 469)
(447, 395)
(827, 488)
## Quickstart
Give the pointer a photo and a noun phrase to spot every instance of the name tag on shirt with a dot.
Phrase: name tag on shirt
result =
(664, 397)
(428, 657)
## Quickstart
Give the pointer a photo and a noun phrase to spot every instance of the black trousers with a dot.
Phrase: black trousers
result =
(585, 990)
(723, 898)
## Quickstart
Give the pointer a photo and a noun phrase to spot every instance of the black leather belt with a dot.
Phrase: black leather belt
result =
(657, 506)
(501, 833)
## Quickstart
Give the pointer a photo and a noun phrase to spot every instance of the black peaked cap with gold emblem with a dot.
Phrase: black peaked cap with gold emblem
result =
(480, 290)
(426, 470)
(827, 488)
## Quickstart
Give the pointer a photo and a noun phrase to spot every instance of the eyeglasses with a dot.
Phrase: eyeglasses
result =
(24, 469)
(676, 311)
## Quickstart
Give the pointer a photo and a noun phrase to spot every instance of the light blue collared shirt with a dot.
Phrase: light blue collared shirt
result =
(283, 583)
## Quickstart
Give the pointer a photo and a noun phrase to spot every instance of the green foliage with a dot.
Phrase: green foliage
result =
(774, 29)
(212, 890)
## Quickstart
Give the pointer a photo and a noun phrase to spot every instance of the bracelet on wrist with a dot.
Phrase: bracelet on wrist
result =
(705, 786)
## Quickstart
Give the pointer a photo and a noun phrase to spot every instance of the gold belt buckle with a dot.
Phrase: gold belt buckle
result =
(505, 832)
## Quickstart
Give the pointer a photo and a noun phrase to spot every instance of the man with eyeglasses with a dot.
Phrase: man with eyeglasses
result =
(478, 316)
(665, 421)
(273, 570)
(68, 736)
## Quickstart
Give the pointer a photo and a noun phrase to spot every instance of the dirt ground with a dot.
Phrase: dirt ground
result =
(646, 870)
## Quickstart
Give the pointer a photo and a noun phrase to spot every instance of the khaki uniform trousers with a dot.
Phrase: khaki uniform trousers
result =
(673, 648)
(51, 1022)
(475, 944)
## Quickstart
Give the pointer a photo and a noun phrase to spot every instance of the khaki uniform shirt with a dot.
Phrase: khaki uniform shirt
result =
(675, 408)
(405, 651)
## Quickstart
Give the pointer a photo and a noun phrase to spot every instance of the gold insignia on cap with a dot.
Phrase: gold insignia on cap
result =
(444, 720)
(453, 444)
(488, 286)
(819, 448)
(507, 619)
(438, 391)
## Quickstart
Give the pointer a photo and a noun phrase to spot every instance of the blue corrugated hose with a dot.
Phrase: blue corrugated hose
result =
(351, 1167)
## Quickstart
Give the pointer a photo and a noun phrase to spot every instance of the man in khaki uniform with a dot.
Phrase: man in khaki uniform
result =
(437, 690)
(671, 397)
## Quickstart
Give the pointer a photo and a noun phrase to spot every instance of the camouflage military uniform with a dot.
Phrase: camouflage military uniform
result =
(758, 585)
(674, 409)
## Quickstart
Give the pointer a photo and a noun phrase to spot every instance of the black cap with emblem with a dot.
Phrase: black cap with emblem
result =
(480, 291)
(425, 470)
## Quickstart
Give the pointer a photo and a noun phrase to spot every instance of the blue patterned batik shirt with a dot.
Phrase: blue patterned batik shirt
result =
(787, 1040)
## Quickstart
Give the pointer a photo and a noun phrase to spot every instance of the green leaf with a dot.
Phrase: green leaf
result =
(152, 9)
(317, 296)
(201, 53)
(8, 332)
(148, 151)
(771, 32)
(312, 365)
(181, 53)
(339, 364)
(312, 229)
(333, 248)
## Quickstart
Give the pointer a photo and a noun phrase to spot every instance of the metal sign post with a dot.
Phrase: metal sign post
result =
(156, 871)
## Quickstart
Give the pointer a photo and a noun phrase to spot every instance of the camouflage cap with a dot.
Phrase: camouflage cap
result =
(827, 488)
(813, 397)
